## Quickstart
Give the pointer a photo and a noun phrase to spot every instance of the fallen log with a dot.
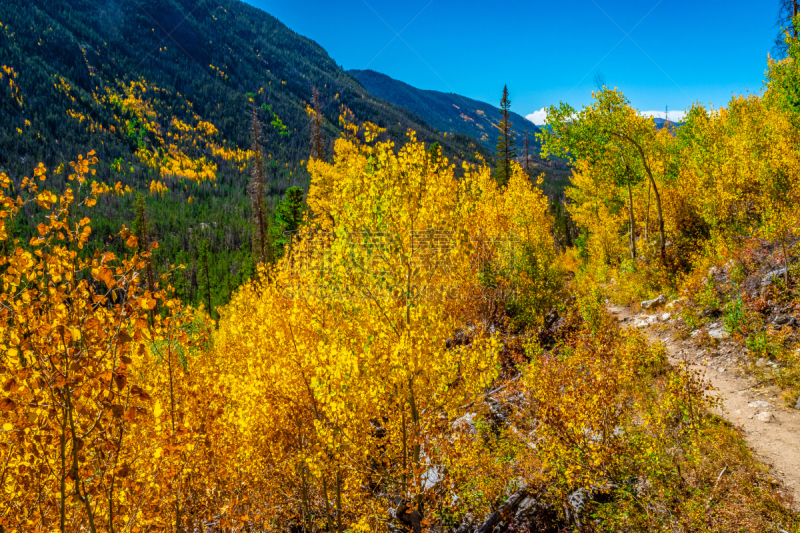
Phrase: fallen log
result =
(505, 512)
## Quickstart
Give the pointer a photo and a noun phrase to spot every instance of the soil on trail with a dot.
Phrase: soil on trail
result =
(771, 429)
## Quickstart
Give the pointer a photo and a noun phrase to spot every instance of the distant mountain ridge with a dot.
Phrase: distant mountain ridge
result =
(447, 112)
(161, 90)
(200, 55)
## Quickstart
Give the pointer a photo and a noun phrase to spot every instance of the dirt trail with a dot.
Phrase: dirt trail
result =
(771, 429)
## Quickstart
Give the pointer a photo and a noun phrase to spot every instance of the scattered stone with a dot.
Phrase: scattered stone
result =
(721, 369)
(786, 320)
(576, 503)
(761, 362)
(674, 303)
(764, 416)
(797, 406)
(661, 300)
(665, 317)
(718, 333)
(758, 403)
(466, 422)
(643, 321)
(767, 280)
(432, 477)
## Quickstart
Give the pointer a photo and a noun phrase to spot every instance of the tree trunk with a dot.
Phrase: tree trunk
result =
(327, 503)
(647, 217)
(663, 247)
(338, 502)
(785, 257)
(633, 223)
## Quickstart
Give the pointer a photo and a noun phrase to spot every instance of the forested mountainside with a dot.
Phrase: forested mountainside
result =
(449, 112)
(456, 114)
(159, 89)
(434, 350)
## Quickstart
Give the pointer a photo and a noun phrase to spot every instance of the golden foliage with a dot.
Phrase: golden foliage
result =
(97, 424)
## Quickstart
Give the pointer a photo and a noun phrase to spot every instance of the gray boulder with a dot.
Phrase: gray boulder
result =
(718, 333)
(767, 280)
(655, 302)
(674, 304)
(765, 416)
(785, 320)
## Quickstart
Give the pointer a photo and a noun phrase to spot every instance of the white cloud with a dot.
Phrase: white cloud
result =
(538, 117)
(674, 116)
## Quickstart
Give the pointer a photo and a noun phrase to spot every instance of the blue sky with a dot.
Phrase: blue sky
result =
(660, 53)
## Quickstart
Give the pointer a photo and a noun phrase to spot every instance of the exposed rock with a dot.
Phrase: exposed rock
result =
(465, 423)
(575, 504)
(661, 300)
(536, 516)
(764, 416)
(797, 405)
(665, 317)
(718, 333)
(432, 477)
(525, 506)
(785, 320)
(758, 403)
(550, 319)
(467, 525)
(767, 280)
(673, 304)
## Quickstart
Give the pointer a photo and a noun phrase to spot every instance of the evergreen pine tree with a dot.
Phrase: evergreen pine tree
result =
(205, 271)
(262, 247)
(317, 150)
(787, 11)
(526, 146)
(290, 210)
(142, 231)
(506, 150)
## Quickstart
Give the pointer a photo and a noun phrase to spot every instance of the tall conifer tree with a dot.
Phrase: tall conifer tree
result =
(262, 247)
(317, 150)
(506, 147)
(527, 147)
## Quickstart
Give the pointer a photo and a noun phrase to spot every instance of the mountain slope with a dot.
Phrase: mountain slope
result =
(69, 54)
(159, 89)
(446, 111)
